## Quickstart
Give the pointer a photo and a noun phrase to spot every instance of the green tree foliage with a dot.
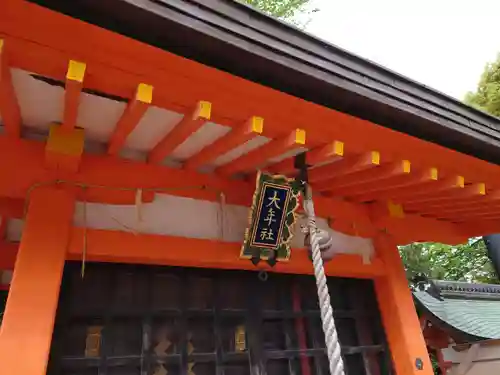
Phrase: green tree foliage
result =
(468, 262)
(487, 95)
(283, 9)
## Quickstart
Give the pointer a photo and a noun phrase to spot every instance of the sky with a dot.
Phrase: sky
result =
(443, 44)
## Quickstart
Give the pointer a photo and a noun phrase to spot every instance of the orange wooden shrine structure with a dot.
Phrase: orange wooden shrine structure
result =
(370, 181)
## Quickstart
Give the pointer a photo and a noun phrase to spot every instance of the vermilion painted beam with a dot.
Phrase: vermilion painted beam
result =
(354, 190)
(261, 155)
(74, 85)
(468, 215)
(366, 178)
(8, 254)
(399, 317)
(446, 198)
(370, 191)
(118, 175)
(3, 227)
(36, 282)
(9, 106)
(189, 124)
(42, 41)
(465, 210)
(400, 193)
(485, 215)
(477, 227)
(345, 166)
(117, 246)
(316, 157)
(479, 200)
(11, 208)
(236, 137)
(133, 113)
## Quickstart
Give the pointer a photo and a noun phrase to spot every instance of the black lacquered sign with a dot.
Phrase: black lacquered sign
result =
(272, 218)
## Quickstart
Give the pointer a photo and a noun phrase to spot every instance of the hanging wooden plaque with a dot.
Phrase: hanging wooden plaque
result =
(272, 218)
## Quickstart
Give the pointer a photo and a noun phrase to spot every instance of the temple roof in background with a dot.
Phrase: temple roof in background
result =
(469, 310)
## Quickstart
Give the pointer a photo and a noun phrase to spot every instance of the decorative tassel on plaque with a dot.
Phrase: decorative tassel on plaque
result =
(271, 220)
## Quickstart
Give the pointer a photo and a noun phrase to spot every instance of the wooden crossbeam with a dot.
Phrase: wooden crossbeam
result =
(103, 171)
(117, 246)
(468, 211)
(74, 85)
(465, 207)
(446, 198)
(252, 128)
(480, 216)
(42, 47)
(400, 193)
(447, 205)
(479, 200)
(345, 166)
(379, 191)
(474, 203)
(261, 155)
(316, 157)
(133, 113)
(189, 124)
(9, 106)
(368, 176)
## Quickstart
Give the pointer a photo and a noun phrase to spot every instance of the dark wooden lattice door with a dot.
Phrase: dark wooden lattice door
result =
(143, 320)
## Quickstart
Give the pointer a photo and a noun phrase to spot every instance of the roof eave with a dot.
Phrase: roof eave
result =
(245, 43)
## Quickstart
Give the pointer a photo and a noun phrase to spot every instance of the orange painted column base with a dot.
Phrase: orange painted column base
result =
(399, 317)
(27, 326)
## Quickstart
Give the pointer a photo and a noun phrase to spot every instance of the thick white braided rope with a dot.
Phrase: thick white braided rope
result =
(331, 337)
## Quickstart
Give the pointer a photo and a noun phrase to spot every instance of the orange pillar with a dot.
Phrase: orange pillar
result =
(402, 327)
(27, 326)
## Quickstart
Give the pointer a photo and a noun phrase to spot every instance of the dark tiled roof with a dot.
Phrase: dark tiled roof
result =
(458, 288)
(469, 309)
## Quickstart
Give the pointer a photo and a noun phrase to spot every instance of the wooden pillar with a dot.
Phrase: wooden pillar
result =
(399, 317)
(27, 326)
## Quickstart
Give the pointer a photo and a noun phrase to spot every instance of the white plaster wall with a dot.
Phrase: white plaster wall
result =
(187, 217)
(487, 361)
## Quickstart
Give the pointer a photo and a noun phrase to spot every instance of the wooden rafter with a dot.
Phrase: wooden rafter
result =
(474, 217)
(400, 193)
(371, 192)
(466, 209)
(133, 113)
(345, 166)
(467, 214)
(366, 178)
(252, 128)
(74, 85)
(41, 46)
(260, 156)
(98, 170)
(437, 201)
(9, 106)
(489, 199)
(315, 157)
(189, 124)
